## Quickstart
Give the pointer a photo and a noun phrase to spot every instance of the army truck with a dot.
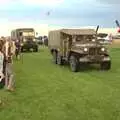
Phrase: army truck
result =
(26, 36)
(77, 46)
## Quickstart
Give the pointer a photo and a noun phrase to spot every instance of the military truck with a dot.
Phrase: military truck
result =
(77, 46)
(26, 36)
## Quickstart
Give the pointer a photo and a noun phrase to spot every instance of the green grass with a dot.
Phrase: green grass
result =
(45, 91)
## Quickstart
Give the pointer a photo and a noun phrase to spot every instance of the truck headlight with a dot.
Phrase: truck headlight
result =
(24, 40)
(93, 40)
(85, 49)
(34, 40)
(102, 49)
(21, 44)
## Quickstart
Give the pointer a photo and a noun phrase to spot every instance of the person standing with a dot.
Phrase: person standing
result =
(18, 49)
(9, 53)
(2, 81)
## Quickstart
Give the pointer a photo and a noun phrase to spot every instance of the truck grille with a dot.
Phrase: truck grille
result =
(94, 51)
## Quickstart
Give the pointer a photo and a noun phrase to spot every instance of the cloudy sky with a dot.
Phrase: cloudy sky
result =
(14, 13)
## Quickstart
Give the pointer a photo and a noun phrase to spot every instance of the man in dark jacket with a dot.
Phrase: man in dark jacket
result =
(18, 49)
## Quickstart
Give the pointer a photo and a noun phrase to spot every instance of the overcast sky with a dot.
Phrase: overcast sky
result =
(62, 12)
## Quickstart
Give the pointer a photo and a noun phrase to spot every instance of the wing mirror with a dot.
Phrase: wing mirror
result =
(36, 33)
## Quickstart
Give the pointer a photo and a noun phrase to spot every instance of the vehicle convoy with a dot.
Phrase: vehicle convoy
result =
(26, 36)
(78, 47)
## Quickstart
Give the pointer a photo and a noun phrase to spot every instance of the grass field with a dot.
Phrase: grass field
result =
(45, 91)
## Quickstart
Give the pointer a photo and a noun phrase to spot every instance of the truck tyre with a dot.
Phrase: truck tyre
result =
(105, 65)
(28, 49)
(22, 49)
(74, 64)
(54, 57)
(36, 49)
(59, 59)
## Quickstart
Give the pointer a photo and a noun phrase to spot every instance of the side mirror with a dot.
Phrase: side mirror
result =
(36, 33)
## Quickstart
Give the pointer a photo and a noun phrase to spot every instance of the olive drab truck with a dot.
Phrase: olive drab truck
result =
(26, 36)
(77, 46)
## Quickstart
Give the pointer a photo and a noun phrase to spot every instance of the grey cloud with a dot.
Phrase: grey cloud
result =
(76, 14)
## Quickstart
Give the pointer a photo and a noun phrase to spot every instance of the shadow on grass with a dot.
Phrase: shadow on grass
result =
(29, 52)
(82, 68)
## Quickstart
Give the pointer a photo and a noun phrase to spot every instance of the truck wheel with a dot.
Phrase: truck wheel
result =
(105, 65)
(54, 57)
(36, 49)
(28, 50)
(74, 64)
(22, 49)
(59, 59)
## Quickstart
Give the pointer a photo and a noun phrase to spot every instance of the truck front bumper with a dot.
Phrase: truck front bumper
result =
(94, 59)
(29, 45)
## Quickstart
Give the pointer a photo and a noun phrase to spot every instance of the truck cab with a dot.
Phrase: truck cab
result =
(26, 36)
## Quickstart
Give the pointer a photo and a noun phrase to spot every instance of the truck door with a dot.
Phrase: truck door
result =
(66, 46)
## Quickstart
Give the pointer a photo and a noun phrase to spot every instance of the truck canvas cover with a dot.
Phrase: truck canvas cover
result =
(78, 31)
(25, 29)
(55, 36)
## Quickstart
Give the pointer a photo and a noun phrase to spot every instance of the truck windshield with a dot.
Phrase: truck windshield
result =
(84, 38)
(28, 33)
